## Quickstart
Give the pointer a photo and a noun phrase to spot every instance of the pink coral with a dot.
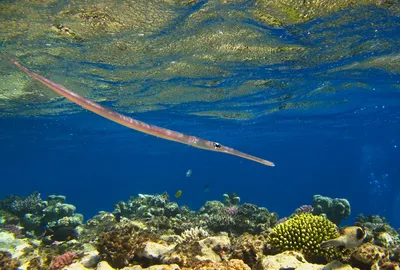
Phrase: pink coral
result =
(63, 260)
(304, 209)
(231, 210)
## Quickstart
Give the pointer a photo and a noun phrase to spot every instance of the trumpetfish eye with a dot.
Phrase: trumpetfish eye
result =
(216, 145)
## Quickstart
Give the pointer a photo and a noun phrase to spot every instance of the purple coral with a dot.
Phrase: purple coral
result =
(281, 220)
(304, 209)
(16, 230)
(231, 210)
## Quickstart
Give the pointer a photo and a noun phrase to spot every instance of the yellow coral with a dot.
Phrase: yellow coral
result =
(305, 233)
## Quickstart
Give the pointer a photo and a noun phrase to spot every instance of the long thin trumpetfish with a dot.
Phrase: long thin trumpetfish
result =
(135, 124)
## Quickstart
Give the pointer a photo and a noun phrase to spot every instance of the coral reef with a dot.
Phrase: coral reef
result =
(305, 233)
(160, 214)
(334, 209)
(36, 215)
(380, 230)
(146, 206)
(148, 238)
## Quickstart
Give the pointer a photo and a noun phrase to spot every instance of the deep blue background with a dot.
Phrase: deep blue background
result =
(96, 163)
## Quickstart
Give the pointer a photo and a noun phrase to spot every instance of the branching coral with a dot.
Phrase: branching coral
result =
(305, 233)
(238, 219)
(193, 234)
(31, 204)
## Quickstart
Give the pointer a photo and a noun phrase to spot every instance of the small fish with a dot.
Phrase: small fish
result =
(189, 173)
(350, 237)
(64, 233)
(178, 194)
(206, 188)
(117, 216)
(165, 196)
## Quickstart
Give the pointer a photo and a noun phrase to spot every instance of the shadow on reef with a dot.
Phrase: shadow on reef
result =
(149, 230)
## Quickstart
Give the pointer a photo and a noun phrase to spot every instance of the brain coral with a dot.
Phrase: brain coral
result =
(305, 233)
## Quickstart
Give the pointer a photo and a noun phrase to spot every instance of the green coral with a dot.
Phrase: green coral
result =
(335, 209)
(305, 233)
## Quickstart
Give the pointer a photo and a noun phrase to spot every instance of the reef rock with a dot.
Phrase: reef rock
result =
(76, 266)
(153, 250)
(336, 265)
(384, 239)
(210, 245)
(248, 248)
(90, 259)
(154, 267)
(234, 264)
(285, 260)
(295, 260)
(8, 242)
(211, 249)
(20, 249)
(103, 265)
(369, 254)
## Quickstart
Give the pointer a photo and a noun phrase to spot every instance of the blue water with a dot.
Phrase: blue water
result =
(346, 149)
